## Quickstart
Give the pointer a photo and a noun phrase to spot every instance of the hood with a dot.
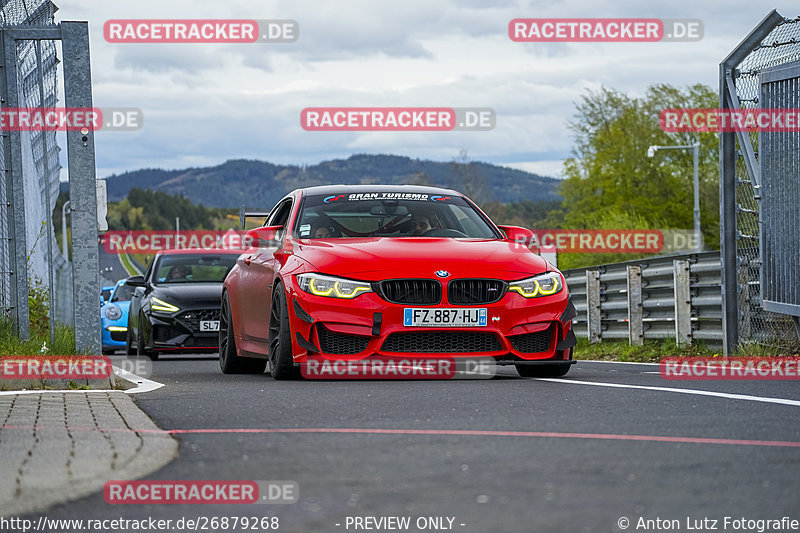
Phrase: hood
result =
(378, 258)
(194, 294)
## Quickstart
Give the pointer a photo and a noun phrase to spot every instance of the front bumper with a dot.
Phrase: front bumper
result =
(518, 330)
(113, 332)
(180, 331)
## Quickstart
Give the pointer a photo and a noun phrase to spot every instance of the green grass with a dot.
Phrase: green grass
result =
(10, 344)
(652, 351)
(128, 265)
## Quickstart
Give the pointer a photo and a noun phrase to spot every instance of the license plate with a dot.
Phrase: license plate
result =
(209, 325)
(454, 318)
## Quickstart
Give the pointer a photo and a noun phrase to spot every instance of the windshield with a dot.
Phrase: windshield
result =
(390, 214)
(122, 293)
(199, 268)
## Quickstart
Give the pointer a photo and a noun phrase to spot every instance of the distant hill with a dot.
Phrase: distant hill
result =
(262, 184)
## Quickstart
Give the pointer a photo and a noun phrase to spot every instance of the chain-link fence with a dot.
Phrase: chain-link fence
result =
(31, 262)
(47, 269)
(774, 42)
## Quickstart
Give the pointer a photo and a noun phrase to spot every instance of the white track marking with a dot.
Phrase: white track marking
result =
(696, 392)
(142, 385)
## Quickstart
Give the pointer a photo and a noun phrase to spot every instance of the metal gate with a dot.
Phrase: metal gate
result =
(757, 223)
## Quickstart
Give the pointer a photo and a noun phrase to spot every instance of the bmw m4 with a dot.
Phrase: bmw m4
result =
(356, 272)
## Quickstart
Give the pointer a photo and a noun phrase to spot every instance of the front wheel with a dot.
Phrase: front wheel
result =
(281, 364)
(140, 349)
(129, 343)
(555, 370)
(229, 360)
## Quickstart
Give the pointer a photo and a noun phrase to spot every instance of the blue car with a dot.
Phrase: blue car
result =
(114, 317)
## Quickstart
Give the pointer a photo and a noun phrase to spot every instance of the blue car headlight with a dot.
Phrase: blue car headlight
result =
(113, 312)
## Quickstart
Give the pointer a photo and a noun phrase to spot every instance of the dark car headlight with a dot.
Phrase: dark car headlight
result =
(162, 306)
(332, 287)
(113, 312)
(538, 286)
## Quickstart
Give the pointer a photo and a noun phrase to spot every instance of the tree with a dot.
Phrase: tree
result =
(466, 177)
(611, 178)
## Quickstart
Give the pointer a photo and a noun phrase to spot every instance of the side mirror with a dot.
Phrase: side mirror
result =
(518, 234)
(262, 237)
(135, 281)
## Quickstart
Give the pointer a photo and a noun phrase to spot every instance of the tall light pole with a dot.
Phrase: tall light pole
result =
(64, 249)
(695, 148)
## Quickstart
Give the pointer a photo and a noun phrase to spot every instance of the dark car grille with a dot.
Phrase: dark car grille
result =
(411, 291)
(442, 342)
(166, 333)
(334, 343)
(532, 342)
(191, 319)
(201, 342)
(475, 291)
(118, 336)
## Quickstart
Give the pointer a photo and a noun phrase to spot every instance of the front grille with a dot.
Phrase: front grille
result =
(442, 342)
(411, 291)
(334, 343)
(201, 342)
(118, 336)
(165, 333)
(191, 319)
(532, 342)
(475, 291)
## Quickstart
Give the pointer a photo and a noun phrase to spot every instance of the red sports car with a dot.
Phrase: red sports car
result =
(354, 272)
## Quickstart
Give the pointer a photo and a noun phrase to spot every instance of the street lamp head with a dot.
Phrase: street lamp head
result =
(652, 151)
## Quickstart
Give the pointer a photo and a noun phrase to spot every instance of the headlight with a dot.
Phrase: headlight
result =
(332, 287)
(537, 286)
(113, 312)
(164, 307)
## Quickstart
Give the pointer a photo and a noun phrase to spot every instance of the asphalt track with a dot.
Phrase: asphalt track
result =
(501, 455)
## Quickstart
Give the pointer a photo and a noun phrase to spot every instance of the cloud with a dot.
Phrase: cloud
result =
(204, 104)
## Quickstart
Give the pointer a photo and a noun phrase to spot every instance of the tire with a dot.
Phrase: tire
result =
(140, 349)
(281, 364)
(129, 343)
(229, 360)
(555, 370)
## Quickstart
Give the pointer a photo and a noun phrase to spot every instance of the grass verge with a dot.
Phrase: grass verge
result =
(10, 344)
(652, 351)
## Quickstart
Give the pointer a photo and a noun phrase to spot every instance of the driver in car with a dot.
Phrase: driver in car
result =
(419, 225)
(176, 273)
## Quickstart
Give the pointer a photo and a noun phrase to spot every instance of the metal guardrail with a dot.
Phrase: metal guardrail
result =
(665, 297)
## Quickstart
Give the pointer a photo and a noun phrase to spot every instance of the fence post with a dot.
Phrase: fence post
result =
(15, 183)
(83, 188)
(593, 314)
(683, 303)
(635, 312)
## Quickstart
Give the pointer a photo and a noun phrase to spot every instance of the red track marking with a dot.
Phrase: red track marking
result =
(442, 432)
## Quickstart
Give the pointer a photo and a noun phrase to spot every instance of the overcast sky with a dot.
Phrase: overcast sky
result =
(206, 103)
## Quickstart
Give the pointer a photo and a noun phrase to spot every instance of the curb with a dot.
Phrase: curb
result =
(60, 447)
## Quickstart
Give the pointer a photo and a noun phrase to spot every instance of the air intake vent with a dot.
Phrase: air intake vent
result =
(475, 291)
(411, 291)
